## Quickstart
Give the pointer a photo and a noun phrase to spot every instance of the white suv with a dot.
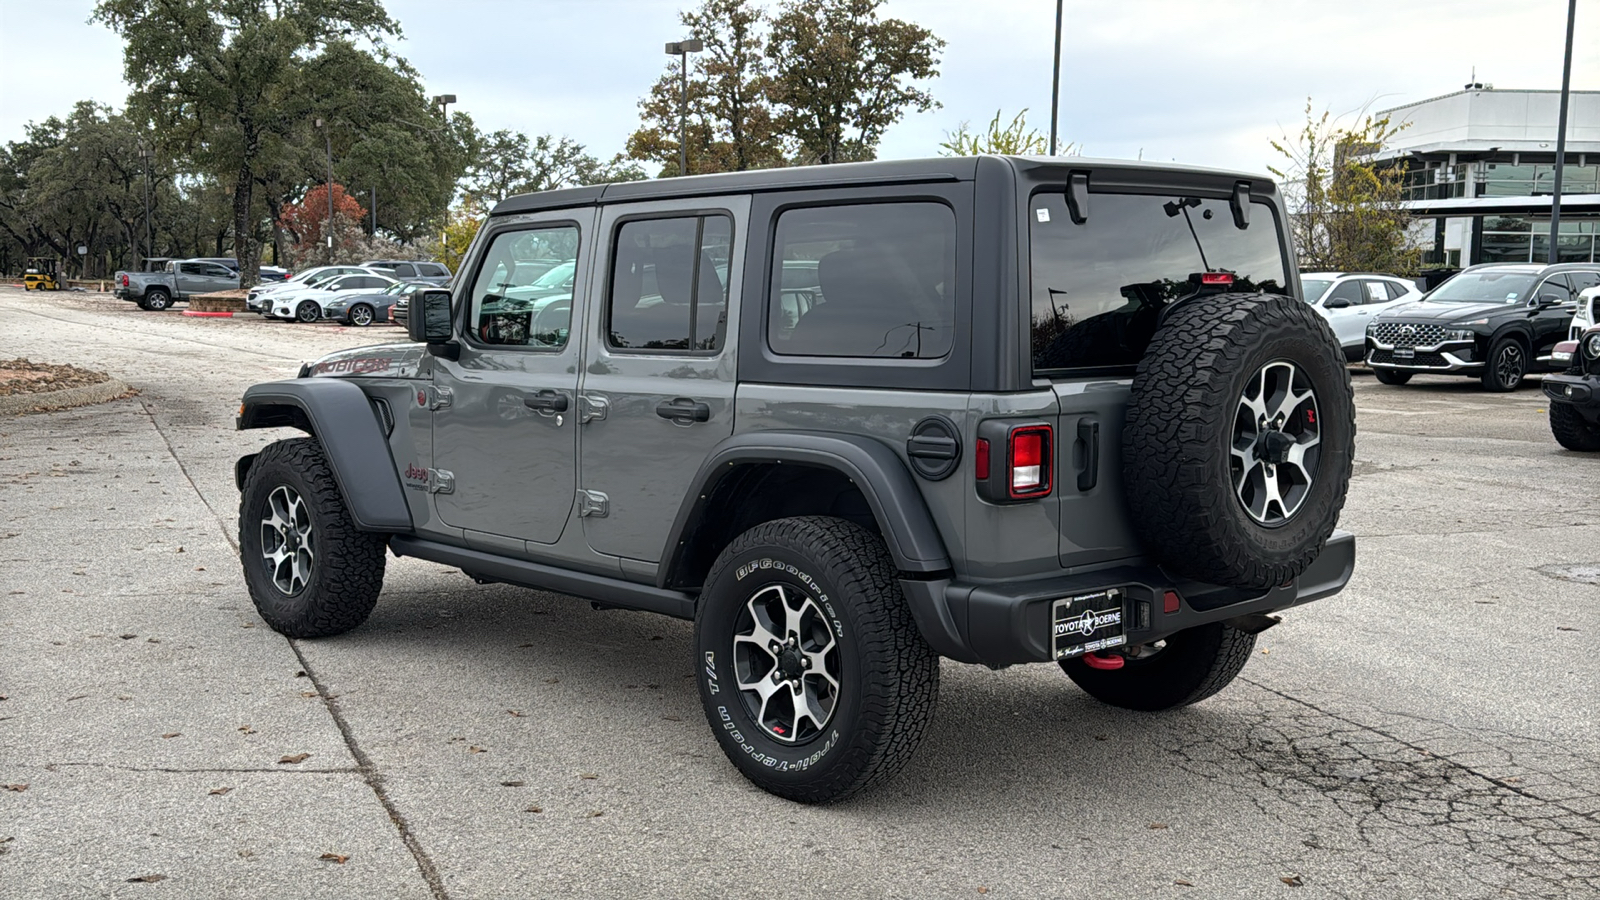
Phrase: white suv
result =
(1349, 300)
(1588, 293)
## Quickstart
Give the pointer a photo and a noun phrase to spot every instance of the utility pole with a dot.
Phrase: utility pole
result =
(682, 49)
(374, 205)
(1561, 132)
(327, 228)
(1055, 82)
(144, 157)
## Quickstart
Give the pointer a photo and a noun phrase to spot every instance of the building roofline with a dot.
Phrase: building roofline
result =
(1485, 90)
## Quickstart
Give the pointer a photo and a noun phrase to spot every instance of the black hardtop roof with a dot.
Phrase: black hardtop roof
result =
(957, 168)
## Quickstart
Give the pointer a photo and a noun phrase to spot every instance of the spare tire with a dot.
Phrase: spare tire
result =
(1239, 438)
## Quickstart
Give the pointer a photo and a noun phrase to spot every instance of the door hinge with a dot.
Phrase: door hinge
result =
(441, 482)
(593, 503)
(593, 406)
(439, 397)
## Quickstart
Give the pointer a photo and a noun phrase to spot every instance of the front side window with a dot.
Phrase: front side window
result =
(669, 284)
(404, 270)
(1098, 288)
(506, 305)
(869, 280)
(432, 270)
(1348, 291)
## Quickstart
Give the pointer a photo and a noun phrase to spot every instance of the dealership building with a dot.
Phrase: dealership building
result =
(1480, 169)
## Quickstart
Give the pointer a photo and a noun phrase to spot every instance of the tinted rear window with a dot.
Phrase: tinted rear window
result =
(1098, 288)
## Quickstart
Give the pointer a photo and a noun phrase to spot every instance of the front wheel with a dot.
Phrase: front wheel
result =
(1185, 668)
(361, 315)
(307, 312)
(1571, 431)
(1508, 363)
(813, 675)
(1391, 376)
(310, 571)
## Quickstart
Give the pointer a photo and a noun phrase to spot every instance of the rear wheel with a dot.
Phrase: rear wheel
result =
(310, 571)
(360, 315)
(307, 311)
(156, 300)
(1508, 363)
(814, 677)
(1390, 376)
(1185, 668)
(1571, 431)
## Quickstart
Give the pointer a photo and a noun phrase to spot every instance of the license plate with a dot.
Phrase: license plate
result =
(1087, 623)
(1405, 353)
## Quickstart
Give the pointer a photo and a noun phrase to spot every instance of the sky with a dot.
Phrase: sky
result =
(1205, 82)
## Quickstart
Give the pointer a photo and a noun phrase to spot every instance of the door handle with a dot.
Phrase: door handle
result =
(1089, 440)
(684, 410)
(547, 401)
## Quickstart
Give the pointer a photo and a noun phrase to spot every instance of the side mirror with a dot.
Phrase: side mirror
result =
(428, 320)
(1337, 303)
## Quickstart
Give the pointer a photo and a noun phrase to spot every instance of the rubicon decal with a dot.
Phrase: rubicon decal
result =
(359, 365)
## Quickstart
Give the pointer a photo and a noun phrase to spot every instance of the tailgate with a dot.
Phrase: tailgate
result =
(1094, 515)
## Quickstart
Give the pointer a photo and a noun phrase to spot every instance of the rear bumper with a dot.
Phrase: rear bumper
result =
(1002, 624)
(1581, 392)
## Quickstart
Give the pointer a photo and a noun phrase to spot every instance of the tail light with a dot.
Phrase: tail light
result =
(124, 281)
(1221, 279)
(1025, 470)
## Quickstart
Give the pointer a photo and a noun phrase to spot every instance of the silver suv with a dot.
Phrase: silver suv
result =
(847, 419)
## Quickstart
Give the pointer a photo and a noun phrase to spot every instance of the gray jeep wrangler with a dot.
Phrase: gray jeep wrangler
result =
(848, 419)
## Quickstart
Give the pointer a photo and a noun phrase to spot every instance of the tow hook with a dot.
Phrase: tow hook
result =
(1104, 661)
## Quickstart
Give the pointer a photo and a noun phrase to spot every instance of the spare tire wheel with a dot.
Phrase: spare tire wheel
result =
(1239, 438)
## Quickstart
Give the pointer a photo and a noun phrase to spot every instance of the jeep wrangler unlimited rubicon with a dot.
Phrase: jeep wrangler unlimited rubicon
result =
(847, 419)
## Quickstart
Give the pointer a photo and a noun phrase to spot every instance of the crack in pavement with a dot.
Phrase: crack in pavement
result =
(280, 770)
(370, 773)
(1534, 834)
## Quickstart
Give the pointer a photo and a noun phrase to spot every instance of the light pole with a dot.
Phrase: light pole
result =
(327, 229)
(443, 101)
(144, 157)
(682, 49)
(1561, 132)
(1055, 82)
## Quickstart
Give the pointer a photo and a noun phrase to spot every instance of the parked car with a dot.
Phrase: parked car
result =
(1574, 395)
(362, 308)
(255, 301)
(179, 279)
(1585, 316)
(1349, 300)
(411, 270)
(1496, 321)
(306, 304)
(1125, 485)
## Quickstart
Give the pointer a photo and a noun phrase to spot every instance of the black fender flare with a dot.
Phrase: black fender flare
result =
(891, 493)
(339, 415)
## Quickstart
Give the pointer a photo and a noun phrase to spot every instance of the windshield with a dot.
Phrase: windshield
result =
(556, 276)
(1099, 286)
(1314, 288)
(1487, 286)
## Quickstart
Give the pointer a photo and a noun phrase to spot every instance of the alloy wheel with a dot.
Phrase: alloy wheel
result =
(1276, 443)
(287, 540)
(787, 663)
(1509, 365)
(361, 315)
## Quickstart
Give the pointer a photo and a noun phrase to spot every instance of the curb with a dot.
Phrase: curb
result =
(83, 395)
(216, 315)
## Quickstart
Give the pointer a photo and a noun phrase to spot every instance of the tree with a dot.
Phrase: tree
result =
(226, 81)
(731, 122)
(1345, 209)
(842, 75)
(1015, 139)
(308, 224)
(509, 163)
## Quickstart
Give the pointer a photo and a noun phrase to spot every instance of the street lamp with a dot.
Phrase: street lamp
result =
(327, 136)
(682, 49)
(1561, 134)
(443, 101)
(144, 158)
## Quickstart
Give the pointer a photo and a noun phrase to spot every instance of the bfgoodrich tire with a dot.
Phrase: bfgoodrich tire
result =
(813, 675)
(1188, 667)
(309, 570)
(1571, 431)
(1238, 441)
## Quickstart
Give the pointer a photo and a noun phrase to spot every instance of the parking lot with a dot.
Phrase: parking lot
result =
(1430, 732)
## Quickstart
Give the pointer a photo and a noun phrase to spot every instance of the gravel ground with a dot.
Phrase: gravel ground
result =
(1430, 732)
(21, 376)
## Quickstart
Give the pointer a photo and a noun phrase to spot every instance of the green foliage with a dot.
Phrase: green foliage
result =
(1345, 208)
(842, 75)
(1014, 139)
(508, 162)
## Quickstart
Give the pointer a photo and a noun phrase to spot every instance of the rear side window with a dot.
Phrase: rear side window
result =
(870, 280)
(1098, 288)
(404, 270)
(669, 285)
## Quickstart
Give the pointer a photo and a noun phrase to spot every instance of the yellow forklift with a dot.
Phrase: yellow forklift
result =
(43, 274)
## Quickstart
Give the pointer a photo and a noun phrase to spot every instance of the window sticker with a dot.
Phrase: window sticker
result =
(1042, 214)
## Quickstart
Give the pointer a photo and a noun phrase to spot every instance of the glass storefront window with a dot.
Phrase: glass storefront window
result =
(1570, 248)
